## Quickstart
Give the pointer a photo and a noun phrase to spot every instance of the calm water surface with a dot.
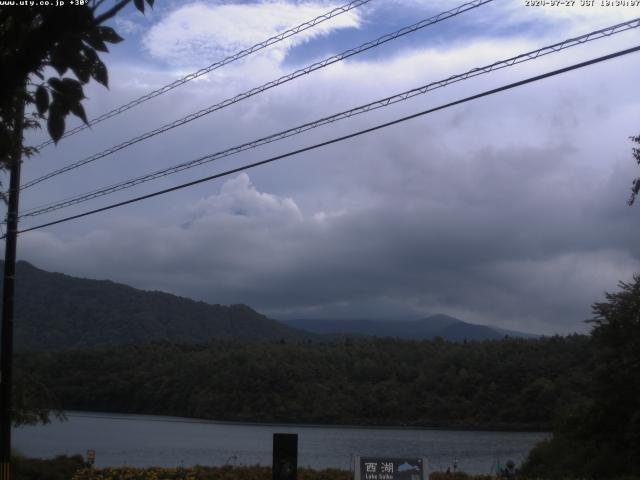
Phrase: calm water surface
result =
(143, 440)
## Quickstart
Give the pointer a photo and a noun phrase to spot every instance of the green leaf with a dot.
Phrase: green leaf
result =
(72, 89)
(78, 110)
(42, 99)
(99, 72)
(108, 34)
(90, 54)
(56, 84)
(75, 60)
(57, 61)
(85, 67)
(60, 103)
(55, 124)
(29, 151)
(139, 5)
(82, 71)
(94, 38)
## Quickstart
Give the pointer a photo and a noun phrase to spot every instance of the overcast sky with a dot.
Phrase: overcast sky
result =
(509, 210)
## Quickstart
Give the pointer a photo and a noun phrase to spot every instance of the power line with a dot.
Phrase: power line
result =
(342, 138)
(273, 83)
(214, 66)
(605, 32)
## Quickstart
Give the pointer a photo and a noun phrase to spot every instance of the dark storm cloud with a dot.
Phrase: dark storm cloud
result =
(492, 250)
(509, 210)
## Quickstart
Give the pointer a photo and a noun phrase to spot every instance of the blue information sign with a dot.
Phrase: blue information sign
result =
(384, 468)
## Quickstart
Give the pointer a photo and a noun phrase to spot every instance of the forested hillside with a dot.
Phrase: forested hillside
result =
(55, 311)
(510, 383)
(444, 326)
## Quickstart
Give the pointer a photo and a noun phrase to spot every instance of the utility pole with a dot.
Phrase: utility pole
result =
(8, 294)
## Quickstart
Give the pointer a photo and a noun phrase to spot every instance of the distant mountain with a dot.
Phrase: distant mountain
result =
(461, 331)
(55, 311)
(514, 333)
(449, 328)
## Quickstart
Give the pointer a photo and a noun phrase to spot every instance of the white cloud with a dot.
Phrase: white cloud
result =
(128, 26)
(239, 198)
(573, 17)
(199, 33)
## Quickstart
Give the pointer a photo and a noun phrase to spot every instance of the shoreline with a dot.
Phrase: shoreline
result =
(193, 420)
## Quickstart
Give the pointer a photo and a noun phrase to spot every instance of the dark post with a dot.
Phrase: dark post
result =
(285, 456)
(8, 289)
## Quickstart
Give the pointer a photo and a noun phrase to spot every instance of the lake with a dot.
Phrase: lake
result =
(143, 440)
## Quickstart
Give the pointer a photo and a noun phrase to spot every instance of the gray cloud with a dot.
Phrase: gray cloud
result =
(509, 210)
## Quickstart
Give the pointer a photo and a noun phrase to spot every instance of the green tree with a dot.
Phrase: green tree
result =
(614, 418)
(35, 40)
(67, 40)
(33, 401)
(600, 438)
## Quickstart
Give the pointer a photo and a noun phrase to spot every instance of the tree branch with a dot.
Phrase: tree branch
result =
(96, 4)
(111, 12)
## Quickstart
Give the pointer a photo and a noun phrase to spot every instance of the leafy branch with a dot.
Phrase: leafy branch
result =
(33, 39)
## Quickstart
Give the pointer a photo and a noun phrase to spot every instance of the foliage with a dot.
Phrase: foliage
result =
(74, 468)
(449, 328)
(600, 437)
(553, 459)
(614, 417)
(32, 401)
(236, 473)
(507, 384)
(458, 476)
(59, 468)
(36, 40)
(203, 473)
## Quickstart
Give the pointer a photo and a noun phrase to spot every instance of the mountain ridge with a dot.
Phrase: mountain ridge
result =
(439, 325)
(55, 311)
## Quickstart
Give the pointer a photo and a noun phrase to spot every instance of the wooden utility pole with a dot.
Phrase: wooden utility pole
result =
(8, 295)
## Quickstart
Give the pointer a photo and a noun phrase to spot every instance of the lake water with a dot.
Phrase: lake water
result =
(142, 440)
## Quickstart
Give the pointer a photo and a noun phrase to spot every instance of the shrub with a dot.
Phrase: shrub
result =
(61, 467)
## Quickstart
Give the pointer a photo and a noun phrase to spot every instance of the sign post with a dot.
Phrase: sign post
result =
(285, 456)
(91, 456)
(386, 468)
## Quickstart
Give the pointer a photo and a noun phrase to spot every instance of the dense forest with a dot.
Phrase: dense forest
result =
(599, 436)
(510, 383)
(439, 325)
